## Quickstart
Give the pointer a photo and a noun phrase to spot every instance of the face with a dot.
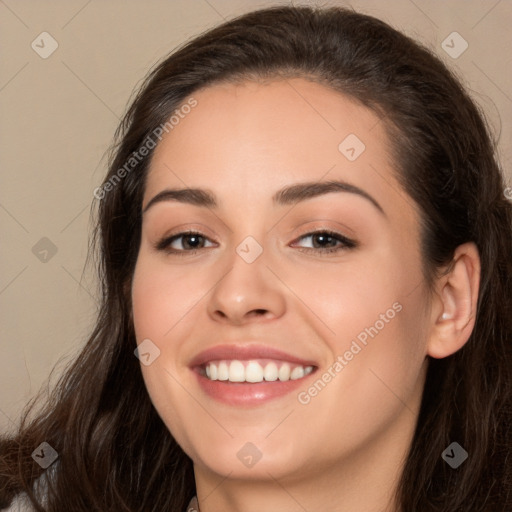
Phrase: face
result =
(285, 321)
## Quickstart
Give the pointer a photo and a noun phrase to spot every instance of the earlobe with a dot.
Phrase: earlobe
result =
(455, 303)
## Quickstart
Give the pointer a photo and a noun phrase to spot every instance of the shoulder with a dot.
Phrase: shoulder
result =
(21, 503)
(193, 506)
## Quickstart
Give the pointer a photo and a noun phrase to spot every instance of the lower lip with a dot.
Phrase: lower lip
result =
(247, 393)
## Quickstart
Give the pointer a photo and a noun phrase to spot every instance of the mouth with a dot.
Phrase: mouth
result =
(249, 375)
(254, 371)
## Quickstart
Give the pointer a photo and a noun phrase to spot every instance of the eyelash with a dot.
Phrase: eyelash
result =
(347, 243)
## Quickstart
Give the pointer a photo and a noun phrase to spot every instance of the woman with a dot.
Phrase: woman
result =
(305, 242)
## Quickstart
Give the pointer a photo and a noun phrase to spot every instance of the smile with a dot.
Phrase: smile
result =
(254, 371)
(250, 375)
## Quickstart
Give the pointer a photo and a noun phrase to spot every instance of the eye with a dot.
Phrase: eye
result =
(185, 242)
(325, 241)
(190, 242)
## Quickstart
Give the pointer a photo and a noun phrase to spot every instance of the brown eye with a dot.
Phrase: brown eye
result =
(327, 242)
(182, 242)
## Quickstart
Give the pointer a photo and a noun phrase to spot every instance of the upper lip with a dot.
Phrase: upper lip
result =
(246, 352)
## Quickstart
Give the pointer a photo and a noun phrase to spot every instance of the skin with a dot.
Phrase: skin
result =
(344, 449)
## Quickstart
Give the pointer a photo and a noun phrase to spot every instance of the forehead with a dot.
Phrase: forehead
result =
(253, 138)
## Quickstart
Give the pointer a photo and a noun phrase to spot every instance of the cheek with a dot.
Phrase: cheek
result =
(150, 300)
(369, 384)
(162, 297)
(373, 321)
(351, 295)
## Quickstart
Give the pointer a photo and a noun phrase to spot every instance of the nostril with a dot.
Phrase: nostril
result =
(258, 312)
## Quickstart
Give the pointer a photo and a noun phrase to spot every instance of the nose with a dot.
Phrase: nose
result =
(247, 292)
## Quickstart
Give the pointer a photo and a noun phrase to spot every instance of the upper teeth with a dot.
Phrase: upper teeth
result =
(253, 371)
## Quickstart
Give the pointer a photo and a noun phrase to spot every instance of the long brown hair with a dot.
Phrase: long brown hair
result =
(115, 453)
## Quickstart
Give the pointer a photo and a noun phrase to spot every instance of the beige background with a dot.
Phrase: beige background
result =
(58, 116)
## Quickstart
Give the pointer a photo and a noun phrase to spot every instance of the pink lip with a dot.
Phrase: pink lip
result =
(244, 393)
(246, 352)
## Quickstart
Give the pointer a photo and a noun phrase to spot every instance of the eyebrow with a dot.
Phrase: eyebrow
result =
(291, 194)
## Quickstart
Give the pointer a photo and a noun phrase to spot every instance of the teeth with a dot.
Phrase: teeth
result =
(253, 371)
(284, 372)
(223, 371)
(236, 371)
(297, 373)
(270, 373)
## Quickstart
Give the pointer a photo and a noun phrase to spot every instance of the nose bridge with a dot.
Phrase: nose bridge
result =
(246, 288)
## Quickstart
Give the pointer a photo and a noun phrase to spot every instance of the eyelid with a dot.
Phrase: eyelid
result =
(166, 240)
(346, 242)
(195, 229)
(327, 224)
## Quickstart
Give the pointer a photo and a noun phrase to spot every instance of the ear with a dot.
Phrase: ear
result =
(454, 304)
